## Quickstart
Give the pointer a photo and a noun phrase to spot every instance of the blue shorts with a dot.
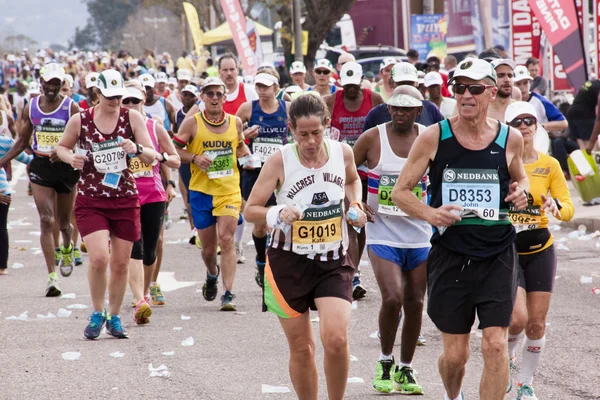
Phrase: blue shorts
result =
(406, 259)
(206, 208)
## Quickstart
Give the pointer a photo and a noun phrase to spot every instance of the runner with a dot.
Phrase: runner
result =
(534, 243)
(433, 82)
(505, 75)
(397, 244)
(584, 123)
(322, 73)
(267, 132)
(343, 59)
(7, 125)
(153, 200)
(385, 86)
(184, 78)
(156, 105)
(298, 75)
(91, 81)
(107, 206)
(52, 181)
(471, 267)
(302, 274)
(237, 94)
(348, 109)
(161, 85)
(214, 142)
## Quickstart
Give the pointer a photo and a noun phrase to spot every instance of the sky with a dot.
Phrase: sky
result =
(46, 21)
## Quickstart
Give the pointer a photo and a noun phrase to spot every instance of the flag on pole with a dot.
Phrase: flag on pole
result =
(237, 23)
(194, 23)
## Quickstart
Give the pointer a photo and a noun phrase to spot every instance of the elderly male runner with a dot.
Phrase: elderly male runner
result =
(476, 170)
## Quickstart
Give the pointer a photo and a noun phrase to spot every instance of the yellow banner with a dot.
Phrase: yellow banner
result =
(194, 23)
(304, 44)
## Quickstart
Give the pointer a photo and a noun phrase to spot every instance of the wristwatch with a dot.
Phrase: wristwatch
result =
(140, 149)
(558, 205)
(172, 183)
(165, 157)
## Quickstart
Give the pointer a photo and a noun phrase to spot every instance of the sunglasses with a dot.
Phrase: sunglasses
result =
(475, 89)
(212, 95)
(529, 121)
(322, 71)
(112, 97)
(131, 101)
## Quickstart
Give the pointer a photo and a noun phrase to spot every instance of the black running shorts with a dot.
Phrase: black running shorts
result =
(58, 175)
(537, 271)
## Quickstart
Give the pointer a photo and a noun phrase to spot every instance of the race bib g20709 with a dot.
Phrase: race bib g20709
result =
(109, 156)
(476, 190)
(319, 230)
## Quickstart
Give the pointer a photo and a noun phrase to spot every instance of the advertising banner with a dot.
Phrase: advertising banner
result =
(460, 29)
(237, 23)
(526, 32)
(194, 23)
(428, 35)
(501, 23)
(255, 43)
(477, 22)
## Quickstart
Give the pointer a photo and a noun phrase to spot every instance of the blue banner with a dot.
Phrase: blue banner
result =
(501, 23)
(477, 22)
(428, 35)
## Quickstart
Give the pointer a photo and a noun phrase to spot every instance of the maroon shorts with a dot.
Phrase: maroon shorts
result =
(119, 216)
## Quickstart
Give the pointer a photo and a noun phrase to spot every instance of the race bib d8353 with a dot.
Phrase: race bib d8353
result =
(319, 230)
(477, 191)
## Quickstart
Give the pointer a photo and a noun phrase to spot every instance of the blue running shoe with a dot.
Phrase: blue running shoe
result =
(259, 275)
(97, 320)
(114, 327)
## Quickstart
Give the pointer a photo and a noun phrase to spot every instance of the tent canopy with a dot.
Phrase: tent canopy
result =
(222, 33)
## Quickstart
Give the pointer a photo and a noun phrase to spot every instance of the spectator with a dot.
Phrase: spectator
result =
(539, 84)
(211, 70)
(450, 63)
(562, 143)
(413, 56)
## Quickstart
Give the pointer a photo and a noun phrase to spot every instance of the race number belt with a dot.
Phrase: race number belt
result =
(384, 197)
(319, 230)
(526, 220)
(140, 169)
(477, 191)
(109, 156)
(264, 147)
(222, 165)
(48, 137)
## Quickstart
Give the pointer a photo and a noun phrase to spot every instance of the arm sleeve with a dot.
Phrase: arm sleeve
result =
(559, 190)
(24, 158)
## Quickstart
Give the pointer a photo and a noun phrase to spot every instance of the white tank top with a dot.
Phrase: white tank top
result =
(157, 109)
(392, 227)
(175, 101)
(322, 232)
(4, 131)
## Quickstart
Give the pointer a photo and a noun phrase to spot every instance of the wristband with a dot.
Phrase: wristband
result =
(273, 216)
(193, 158)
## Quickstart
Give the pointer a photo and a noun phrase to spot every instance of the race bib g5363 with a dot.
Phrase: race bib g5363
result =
(319, 230)
(222, 165)
(477, 191)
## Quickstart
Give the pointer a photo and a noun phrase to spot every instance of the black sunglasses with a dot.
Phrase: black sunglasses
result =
(112, 97)
(322, 71)
(131, 100)
(212, 94)
(475, 89)
(529, 121)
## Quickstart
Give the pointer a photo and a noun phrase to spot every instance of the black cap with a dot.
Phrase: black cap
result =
(412, 53)
(490, 54)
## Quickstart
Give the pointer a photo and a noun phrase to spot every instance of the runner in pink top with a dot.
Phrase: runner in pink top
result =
(153, 199)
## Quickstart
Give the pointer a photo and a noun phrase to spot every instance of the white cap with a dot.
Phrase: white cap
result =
(161, 77)
(323, 63)
(421, 76)
(91, 80)
(404, 100)
(293, 89)
(387, 62)
(433, 78)
(105, 60)
(184, 75)
(147, 80)
(212, 81)
(53, 71)
(172, 81)
(69, 78)
(297, 67)
(152, 72)
(34, 88)
(266, 79)
(475, 69)
(249, 79)
(521, 72)
(191, 89)
(518, 108)
(404, 71)
(503, 61)
(110, 83)
(133, 92)
(351, 73)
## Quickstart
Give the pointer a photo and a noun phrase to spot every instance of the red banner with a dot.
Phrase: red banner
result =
(558, 19)
(237, 23)
(526, 32)
(460, 30)
(559, 77)
(597, 36)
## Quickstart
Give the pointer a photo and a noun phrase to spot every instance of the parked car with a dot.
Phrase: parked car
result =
(365, 53)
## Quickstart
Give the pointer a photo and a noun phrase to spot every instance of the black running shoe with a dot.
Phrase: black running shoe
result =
(210, 287)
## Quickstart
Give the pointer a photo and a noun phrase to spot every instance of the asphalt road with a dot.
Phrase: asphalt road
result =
(235, 354)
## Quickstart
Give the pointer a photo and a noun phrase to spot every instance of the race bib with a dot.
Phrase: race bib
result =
(264, 147)
(109, 156)
(385, 204)
(319, 230)
(48, 137)
(477, 191)
(140, 169)
(222, 165)
(526, 220)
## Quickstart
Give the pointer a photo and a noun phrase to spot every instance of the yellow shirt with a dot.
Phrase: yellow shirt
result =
(185, 63)
(223, 176)
(545, 175)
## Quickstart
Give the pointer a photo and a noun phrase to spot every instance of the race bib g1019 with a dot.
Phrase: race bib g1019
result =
(319, 230)
(477, 191)
(264, 147)
(109, 156)
(222, 165)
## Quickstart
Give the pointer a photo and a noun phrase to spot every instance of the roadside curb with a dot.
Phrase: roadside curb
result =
(591, 224)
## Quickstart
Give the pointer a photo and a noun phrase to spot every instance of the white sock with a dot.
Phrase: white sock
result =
(459, 397)
(513, 341)
(532, 353)
(239, 232)
(401, 365)
(383, 357)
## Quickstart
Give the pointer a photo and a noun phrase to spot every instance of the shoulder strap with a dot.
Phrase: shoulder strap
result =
(445, 130)
(502, 136)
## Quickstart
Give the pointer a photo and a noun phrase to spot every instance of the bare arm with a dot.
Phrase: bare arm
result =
(242, 149)
(22, 141)
(186, 134)
(353, 187)
(270, 178)
(170, 113)
(11, 125)
(555, 126)
(166, 145)
(191, 112)
(376, 99)
(138, 126)
(64, 149)
(329, 101)
(362, 146)
(519, 181)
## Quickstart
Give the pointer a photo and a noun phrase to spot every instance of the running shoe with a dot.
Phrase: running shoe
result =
(142, 313)
(210, 287)
(383, 379)
(114, 327)
(358, 290)
(526, 393)
(421, 341)
(194, 238)
(83, 248)
(239, 254)
(184, 215)
(57, 256)
(97, 320)
(227, 301)
(259, 275)
(3, 271)
(53, 290)
(66, 261)
(77, 257)
(405, 382)
(156, 294)
(512, 368)
(168, 220)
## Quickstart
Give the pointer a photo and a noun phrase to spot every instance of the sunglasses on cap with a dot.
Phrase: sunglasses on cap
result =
(212, 95)
(322, 71)
(113, 97)
(529, 121)
(475, 89)
(131, 100)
